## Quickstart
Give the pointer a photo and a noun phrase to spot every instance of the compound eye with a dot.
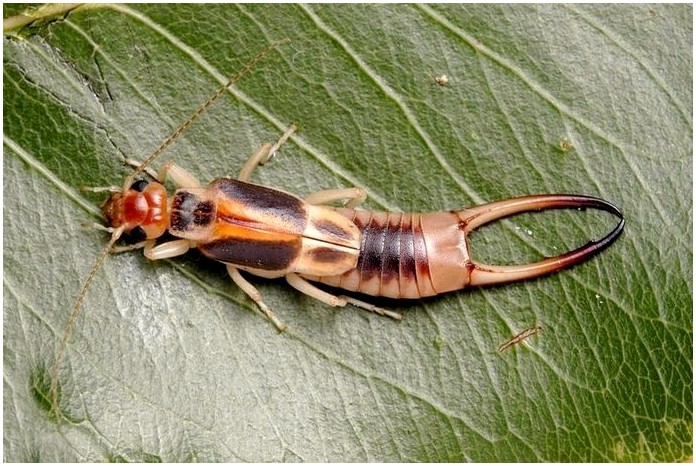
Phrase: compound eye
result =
(134, 236)
(139, 185)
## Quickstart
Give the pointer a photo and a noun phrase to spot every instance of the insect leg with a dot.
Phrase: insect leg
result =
(131, 247)
(254, 294)
(372, 308)
(283, 138)
(117, 249)
(257, 158)
(100, 227)
(263, 154)
(354, 196)
(166, 250)
(180, 177)
(138, 163)
(307, 288)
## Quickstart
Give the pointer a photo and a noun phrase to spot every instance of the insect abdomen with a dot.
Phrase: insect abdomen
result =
(396, 253)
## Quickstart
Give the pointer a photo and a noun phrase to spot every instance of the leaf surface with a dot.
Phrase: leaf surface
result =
(170, 361)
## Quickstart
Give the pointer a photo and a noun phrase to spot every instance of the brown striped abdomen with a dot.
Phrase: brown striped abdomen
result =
(397, 253)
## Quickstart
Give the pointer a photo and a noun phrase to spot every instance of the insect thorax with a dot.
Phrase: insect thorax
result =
(192, 214)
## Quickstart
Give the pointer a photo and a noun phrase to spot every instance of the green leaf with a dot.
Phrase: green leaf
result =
(169, 361)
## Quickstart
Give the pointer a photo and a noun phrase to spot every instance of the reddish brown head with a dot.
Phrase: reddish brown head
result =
(142, 209)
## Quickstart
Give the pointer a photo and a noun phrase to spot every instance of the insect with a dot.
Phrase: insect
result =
(520, 337)
(271, 233)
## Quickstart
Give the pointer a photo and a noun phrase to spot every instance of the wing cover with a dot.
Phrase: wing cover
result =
(255, 226)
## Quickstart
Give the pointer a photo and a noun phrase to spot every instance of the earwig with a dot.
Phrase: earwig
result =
(519, 338)
(271, 233)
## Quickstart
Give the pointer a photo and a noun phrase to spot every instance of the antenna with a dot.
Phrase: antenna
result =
(115, 235)
(117, 232)
(231, 81)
